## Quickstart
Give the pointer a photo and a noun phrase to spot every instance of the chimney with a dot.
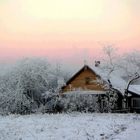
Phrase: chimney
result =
(97, 63)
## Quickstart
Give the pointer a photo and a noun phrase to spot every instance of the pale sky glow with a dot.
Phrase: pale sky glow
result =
(54, 28)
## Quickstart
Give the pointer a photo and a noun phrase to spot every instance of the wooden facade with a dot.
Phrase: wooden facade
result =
(85, 79)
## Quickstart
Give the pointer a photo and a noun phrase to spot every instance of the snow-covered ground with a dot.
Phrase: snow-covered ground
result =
(75, 126)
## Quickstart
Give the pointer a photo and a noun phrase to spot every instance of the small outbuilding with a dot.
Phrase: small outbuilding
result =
(133, 99)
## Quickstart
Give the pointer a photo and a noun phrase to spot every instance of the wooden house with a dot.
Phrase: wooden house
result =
(86, 79)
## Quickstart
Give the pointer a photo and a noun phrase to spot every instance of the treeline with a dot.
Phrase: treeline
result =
(33, 85)
(25, 85)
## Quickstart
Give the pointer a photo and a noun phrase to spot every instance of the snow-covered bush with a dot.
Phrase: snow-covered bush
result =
(83, 102)
(108, 102)
(50, 102)
(76, 101)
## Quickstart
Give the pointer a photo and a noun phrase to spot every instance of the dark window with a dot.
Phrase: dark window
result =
(136, 102)
(87, 80)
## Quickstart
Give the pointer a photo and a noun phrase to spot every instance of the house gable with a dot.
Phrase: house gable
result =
(85, 79)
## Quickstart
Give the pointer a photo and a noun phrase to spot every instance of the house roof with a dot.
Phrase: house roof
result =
(134, 89)
(84, 67)
(115, 78)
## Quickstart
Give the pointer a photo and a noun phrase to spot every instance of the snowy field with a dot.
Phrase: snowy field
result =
(73, 126)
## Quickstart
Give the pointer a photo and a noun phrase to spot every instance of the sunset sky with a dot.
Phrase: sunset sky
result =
(67, 30)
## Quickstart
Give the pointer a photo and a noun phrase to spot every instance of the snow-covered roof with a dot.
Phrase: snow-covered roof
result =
(135, 89)
(117, 81)
(115, 78)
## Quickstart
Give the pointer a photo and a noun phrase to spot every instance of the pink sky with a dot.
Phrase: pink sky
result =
(67, 31)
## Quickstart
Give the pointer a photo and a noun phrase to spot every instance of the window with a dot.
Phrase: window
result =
(136, 102)
(87, 80)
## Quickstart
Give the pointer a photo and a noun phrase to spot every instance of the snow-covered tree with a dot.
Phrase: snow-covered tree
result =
(130, 63)
(110, 59)
(58, 77)
(22, 85)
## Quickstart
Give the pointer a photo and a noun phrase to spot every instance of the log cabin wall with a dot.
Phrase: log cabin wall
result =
(85, 80)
